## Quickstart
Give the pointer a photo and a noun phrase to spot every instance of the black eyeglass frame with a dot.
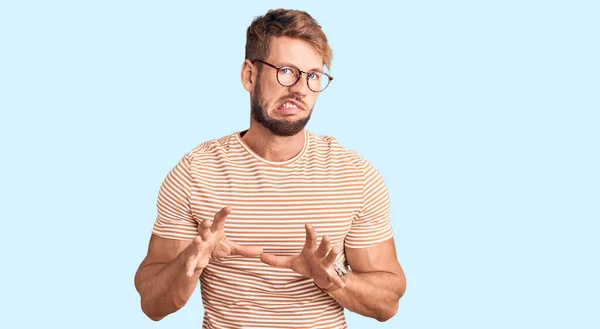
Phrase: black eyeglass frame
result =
(278, 68)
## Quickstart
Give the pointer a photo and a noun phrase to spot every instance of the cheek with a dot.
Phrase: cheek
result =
(311, 101)
(270, 100)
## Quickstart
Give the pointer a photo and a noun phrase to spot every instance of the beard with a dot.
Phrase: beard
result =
(258, 111)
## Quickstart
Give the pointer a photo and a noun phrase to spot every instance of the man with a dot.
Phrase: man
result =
(269, 219)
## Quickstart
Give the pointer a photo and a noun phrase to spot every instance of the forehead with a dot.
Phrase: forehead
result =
(291, 51)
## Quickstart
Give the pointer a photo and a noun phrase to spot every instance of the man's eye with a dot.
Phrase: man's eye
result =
(285, 70)
(314, 76)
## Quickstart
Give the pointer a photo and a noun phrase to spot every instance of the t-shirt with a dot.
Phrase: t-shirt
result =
(332, 188)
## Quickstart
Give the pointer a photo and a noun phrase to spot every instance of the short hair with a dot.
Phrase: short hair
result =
(289, 23)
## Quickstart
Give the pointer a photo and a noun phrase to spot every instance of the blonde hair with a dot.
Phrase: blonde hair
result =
(288, 23)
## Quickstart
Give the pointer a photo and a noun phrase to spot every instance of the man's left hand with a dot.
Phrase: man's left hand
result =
(312, 262)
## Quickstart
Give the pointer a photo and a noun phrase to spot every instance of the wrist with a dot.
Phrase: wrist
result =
(329, 289)
(342, 273)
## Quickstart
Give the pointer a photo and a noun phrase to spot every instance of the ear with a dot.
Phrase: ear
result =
(248, 75)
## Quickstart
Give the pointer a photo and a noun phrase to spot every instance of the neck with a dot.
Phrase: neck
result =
(272, 147)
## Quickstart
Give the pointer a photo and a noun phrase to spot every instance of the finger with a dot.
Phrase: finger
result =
(190, 265)
(204, 229)
(331, 257)
(197, 242)
(219, 222)
(192, 260)
(277, 261)
(323, 247)
(246, 251)
(311, 237)
(190, 269)
(205, 225)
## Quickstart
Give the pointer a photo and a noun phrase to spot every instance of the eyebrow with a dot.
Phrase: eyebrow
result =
(309, 70)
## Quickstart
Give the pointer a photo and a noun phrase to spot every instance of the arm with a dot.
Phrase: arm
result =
(376, 280)
(375, 284)
(168, 275)
(161, 281)
(372, 289)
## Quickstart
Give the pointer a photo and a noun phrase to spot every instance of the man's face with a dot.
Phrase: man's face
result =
(284, 111)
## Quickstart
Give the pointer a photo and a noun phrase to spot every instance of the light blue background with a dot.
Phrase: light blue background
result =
(482, 117)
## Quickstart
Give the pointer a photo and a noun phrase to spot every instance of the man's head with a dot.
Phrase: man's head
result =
(284, 38)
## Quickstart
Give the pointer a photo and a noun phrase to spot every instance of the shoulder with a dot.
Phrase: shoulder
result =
(212, 148)
(329, 147)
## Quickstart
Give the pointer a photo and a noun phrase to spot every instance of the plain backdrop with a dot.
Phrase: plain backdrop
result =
(482, 117)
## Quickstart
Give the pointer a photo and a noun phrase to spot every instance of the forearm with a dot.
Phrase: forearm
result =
(165, 288)
(373, 294)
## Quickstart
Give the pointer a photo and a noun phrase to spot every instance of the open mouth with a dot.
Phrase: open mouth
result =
(289, 107)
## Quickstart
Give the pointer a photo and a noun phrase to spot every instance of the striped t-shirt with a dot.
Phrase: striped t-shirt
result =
(334, 189)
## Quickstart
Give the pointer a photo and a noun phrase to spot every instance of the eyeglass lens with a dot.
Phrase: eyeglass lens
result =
(288, 76)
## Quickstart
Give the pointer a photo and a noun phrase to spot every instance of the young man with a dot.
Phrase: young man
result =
(269, 219)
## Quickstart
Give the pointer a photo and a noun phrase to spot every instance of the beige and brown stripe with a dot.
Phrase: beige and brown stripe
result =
(334, 189)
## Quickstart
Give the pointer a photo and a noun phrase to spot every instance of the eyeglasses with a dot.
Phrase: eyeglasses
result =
(288, 76)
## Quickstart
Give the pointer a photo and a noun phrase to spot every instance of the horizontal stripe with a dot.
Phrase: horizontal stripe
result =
(334, 189)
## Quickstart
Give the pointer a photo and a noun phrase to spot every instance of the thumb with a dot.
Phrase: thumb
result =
(277, 261)
(246, 251)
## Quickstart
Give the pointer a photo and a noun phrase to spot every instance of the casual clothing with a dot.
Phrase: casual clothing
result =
(334, 189)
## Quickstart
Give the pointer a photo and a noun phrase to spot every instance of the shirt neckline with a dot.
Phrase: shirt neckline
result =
(275, 163)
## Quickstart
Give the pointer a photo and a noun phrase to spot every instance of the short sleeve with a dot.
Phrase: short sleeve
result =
(372, 225)
(175, 219)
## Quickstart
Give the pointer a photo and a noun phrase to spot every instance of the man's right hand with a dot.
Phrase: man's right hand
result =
(211, 243)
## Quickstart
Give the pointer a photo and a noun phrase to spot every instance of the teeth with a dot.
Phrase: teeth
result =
(289, 106)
